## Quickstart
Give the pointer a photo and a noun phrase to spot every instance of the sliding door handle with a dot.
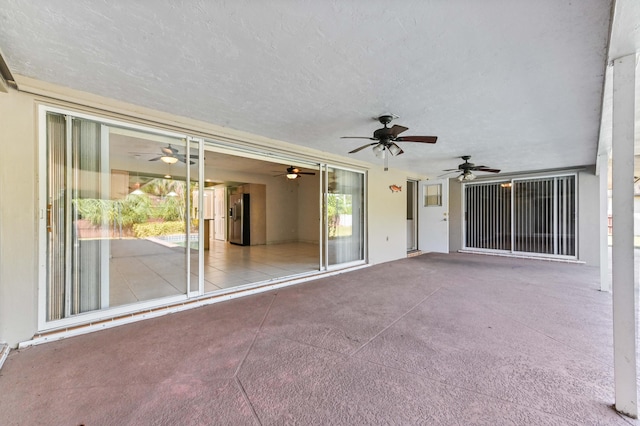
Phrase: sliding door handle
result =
(49, 207)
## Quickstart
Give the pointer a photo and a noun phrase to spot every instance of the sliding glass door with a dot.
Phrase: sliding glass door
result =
(136, 218)
(535, 215)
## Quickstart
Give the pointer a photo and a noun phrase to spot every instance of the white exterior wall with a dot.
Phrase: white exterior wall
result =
(18, 218)
(456, 223)
(589, 218)
(387, 222)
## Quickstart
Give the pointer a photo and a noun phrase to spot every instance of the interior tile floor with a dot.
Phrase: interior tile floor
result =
(436, 339)
(144, 270)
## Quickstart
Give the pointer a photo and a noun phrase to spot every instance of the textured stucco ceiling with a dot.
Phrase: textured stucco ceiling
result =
(516, 84)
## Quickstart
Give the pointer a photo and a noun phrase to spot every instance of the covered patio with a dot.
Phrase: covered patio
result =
(432, 339)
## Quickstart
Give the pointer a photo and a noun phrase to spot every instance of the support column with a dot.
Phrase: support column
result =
(623, 279)
(603, 175)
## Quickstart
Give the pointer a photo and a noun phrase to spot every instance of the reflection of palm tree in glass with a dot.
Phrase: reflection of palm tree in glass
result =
(169, 199)
(161, 200)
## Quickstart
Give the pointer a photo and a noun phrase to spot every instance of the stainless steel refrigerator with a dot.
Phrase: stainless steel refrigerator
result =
(239, 224)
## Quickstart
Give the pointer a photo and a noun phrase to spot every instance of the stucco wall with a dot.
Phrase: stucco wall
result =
(455, 215)
(589, 218)
(18, 218)
(387, 226)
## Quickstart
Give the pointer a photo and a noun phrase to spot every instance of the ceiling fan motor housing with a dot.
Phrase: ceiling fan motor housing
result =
(385, 119)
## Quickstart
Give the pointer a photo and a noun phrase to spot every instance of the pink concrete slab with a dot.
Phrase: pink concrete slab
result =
(203, 342)
(435, 339)
(293, 383)
(167, 402)
(343, 313)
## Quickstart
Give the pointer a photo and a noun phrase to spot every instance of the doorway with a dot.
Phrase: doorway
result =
(433, 215)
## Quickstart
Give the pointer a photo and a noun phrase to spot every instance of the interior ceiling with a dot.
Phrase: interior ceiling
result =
(515, 84)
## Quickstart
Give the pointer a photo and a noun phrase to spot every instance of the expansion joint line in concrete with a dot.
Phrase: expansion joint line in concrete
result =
(246, 354)
(393, 322)
(247, 400)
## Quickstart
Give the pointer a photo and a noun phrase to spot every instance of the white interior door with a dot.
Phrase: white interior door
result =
(433, 216)
(219, 214)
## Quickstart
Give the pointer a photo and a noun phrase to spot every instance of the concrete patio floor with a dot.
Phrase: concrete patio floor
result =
(455, 339)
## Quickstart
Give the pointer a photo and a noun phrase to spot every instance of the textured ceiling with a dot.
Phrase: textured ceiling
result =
(516, 84)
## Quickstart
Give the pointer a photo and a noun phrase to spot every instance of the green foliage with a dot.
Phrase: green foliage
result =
(154, 229)
(134, 209)
(96, 211)
(171, 209)
(126, 212)
(138, 209)
(337, 204)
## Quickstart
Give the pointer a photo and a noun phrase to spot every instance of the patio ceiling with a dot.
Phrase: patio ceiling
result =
(518, 85)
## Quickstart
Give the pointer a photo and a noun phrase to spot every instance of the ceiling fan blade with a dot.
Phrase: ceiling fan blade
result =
(448, 172)
(362, 147)
(358, 137)
(451, 170)
(423, 139)
(169, 150)
(183, 157)
(184, 160)
(396, 130)
(155, 159)
(486, 169)
(306, 173)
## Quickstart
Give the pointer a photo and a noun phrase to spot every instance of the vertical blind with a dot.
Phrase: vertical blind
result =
(87, 179)
(56, 211)
(73, 166)
(488, 216)
(526, 215)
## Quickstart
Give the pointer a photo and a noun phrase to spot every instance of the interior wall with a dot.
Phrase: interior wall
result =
(282, 211)
(308, 210)
(387, 220)
(282, 221)
(18, 218)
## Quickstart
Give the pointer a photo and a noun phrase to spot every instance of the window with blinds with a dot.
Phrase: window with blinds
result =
(523, 215)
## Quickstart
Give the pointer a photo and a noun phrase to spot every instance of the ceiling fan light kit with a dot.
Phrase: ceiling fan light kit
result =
(466, 176)
(294, 173)
(169, 159)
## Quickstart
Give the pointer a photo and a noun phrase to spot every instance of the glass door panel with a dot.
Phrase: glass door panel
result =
(196, 223)
(149, 195)
(344, 216)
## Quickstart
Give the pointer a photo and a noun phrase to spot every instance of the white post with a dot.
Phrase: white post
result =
(603, 170)
(624, 303)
